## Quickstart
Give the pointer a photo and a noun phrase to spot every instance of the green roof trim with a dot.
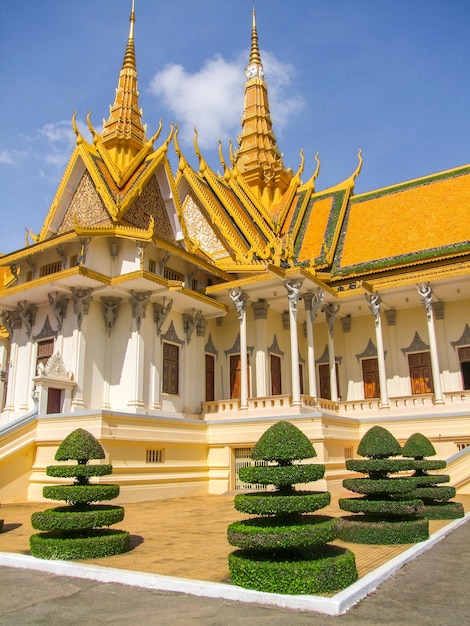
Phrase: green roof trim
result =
(331, 227)
(433, 178)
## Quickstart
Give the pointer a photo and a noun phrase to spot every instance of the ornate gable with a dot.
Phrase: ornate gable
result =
(86, 207)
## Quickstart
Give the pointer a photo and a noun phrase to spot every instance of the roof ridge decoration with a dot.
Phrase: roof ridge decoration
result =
(123, 144)
(258, 159)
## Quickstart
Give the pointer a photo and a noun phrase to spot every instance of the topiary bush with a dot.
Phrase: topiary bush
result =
(391, 513)
(435, 498)
(285, 550)
(76, 531)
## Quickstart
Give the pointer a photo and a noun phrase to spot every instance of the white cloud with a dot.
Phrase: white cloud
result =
(211, 99)
(57, 142)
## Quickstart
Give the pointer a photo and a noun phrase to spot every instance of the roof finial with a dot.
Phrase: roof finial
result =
(132, 21)
(255, 57)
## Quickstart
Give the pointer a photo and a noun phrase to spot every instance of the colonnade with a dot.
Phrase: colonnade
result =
(313, 302)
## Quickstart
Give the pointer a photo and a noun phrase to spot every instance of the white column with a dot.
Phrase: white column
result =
(260, 310)
(374, 305)
(312, 302)
(425, 291)
(138, 301)
(293, 289)
(330, 311)
(81, 299)
(239, 300)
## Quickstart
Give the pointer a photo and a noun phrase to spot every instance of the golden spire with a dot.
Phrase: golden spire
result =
(258, 158)
(124, 134)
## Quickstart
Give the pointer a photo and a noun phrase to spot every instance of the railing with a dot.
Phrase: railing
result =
(371, 407)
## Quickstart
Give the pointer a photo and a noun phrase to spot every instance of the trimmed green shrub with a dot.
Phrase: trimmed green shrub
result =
(90, 545)
(275, 503)
(75, 531)
(427, 485)
(371, 530)
(418, 446)
(62, 518)
(378, 443)
(286, 550)
(323, 570)
(281, 475)
(391, 512)
(283, 443)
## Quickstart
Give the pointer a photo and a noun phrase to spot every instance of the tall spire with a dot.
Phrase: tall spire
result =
(258, 158)
(123, 132)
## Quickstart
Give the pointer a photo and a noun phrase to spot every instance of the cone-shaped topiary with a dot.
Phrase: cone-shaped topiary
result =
(285, 550)
(390, 513)
(435, 498)
(75, 531)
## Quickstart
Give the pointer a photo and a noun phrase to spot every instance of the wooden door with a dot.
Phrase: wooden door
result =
(420, 373)
(370, 376)
(324, 379)
(276, 376)
(210, 378)
(236, 375)
(54, 400)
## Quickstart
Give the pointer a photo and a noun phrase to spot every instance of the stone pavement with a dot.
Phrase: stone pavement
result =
(185, 537)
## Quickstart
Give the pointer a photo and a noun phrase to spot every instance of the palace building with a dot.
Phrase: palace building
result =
(177, 315)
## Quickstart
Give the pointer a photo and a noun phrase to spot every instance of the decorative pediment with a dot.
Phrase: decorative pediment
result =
(54, 368)
(235, 349)
(417, 345)
(209, 347)
(274, 347)
(464, 338)
(172, 336)
(46, 331)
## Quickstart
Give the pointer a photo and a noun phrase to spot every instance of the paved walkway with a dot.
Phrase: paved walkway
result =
(183, 538)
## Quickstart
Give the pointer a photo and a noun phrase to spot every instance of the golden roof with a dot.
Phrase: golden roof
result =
(425, 219)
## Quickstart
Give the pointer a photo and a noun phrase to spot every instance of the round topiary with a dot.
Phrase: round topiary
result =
(286, 551)
(418, 446)
(283, 443)
(391, 510)
(378, 443)
(434, 497)
(75, 531)
(79, 446)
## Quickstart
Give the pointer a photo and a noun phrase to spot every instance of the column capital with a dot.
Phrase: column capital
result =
(374, 301)
(293, 292)
(425, 291)
(330, 312)
(260, 309)
(239, 299)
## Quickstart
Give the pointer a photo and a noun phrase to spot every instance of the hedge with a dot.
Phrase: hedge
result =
(379, 486)
(324, 570)
(272, 503)
(78, 471)
(443, 510)
(69, 518)
(281, 475)
(382, 532)
(398, 508)
(268, 533)
(436, 494)
(89, 545)
(81, 493)
(380, 466)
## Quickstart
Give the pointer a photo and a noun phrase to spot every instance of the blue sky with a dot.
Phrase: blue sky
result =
(387, 76)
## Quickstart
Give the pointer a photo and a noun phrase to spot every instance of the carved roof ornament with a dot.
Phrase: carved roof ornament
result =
(258, 159)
